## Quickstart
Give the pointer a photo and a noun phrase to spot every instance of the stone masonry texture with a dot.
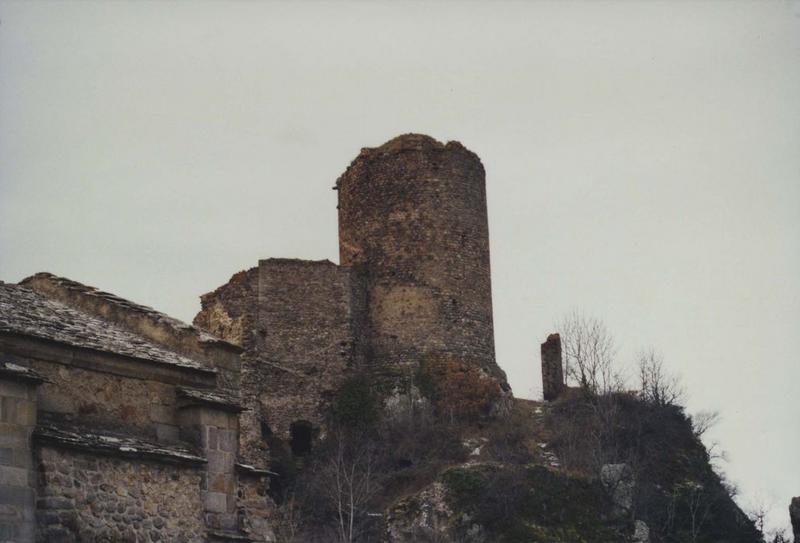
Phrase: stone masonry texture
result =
(412, 216)
(82, 497)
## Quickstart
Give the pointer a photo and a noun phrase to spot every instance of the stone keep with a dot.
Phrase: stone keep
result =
(412, 217)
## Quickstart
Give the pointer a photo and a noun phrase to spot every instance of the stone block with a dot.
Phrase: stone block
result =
(8, 409)
(54, 502)
(221, 483)
(216, 502)
(167, 433)
(162, 413)
(13, 389)
(17, 496)
(11, 476)
(219, 462)
(26, 413)
(228, 440)
(6, 456)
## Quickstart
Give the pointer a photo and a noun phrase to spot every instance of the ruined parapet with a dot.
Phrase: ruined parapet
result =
(552, 370)
(412, 215)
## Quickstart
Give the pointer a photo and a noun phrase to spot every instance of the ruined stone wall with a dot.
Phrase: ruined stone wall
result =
(412, 215)
(83, 497)
(307, 324)
(229, 312)
(299, 322)
(553, 384)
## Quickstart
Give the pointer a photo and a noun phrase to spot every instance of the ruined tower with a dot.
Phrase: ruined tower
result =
(413, 220)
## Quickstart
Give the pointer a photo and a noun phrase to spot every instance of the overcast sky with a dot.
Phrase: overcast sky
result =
(642, 159)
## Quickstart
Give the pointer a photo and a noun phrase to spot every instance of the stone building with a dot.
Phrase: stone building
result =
(118, 423)
(414, 281)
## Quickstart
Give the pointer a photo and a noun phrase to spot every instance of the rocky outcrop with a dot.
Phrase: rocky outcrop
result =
(641, 532)
(619, 482)
(427, 518)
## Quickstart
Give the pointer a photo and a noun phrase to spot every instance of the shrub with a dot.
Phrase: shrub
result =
(356, 404)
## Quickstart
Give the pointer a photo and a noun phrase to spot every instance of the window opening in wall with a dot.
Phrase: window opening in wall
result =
(301, 434)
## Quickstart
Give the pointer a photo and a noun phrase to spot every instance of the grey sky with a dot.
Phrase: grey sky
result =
(643, 165)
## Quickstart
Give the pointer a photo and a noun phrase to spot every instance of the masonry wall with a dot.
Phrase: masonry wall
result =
(105, 401)
(412, 215)
(307, 338)
(84, 497)
(300, 324)
(17, 421)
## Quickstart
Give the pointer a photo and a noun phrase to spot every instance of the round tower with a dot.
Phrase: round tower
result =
(412, 218)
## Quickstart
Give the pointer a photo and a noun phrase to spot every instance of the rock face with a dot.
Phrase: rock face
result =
(641, 532)
(618, 481)
(552, 369)
(426, 518)
(794, 514)
(412, 215)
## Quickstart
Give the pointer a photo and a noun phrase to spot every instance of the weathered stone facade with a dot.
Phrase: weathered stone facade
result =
(118, 423)
(88, 497)
(553, 384)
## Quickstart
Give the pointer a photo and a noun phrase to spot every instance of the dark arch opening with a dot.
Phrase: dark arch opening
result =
(301, 434)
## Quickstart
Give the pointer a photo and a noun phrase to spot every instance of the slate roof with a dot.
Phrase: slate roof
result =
(158, 316)
(86, 439)
(27, 312)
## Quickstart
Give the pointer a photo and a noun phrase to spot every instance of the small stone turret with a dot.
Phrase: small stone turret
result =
(552, 372)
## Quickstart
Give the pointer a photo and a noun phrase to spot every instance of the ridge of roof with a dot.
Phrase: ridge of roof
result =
(28, 312)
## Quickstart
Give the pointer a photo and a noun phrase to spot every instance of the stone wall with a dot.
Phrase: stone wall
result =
(412, 215)
(307, 338)
(106, 401)
(299, 322)
(83, 497)
(17, 421)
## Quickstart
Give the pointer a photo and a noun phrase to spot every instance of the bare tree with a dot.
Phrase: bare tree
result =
(349, 483)
(703, 421)
(657, 385)
(588, 351)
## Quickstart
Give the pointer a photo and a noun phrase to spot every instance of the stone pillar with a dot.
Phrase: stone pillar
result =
(17, 478)
(552, 371)
(794, 515)
(215, 432)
